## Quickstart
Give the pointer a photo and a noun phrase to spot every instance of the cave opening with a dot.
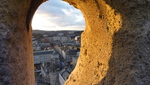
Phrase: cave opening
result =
(56, 38)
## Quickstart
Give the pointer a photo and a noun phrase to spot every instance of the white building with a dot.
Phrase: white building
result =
(61, 38)
(64, 38)
(36, 48)
(60, 34)
(56, 38)
(71, 32)
(63, 75)
(74, 60)
(63, 54)
(43, 56)
(55, 56)
(50, 38)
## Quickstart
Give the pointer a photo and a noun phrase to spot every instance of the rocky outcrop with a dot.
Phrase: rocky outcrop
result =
(115, 45)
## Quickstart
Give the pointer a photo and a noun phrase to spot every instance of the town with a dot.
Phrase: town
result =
(55, 55)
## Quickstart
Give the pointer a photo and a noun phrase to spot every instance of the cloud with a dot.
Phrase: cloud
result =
(58, 14)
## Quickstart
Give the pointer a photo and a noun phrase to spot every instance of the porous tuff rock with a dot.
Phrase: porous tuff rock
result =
(115, 45)
(16, 66)
(16, 56)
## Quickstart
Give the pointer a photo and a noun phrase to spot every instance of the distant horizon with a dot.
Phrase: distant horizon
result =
(50, 29)
(56, 30)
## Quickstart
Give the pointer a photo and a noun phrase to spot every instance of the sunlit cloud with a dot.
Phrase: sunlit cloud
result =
(57, 15)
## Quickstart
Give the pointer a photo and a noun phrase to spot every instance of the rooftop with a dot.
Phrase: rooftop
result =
(43, 52)
(42, 83)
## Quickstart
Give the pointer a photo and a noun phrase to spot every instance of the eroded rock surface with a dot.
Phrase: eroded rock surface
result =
(115, 48)
(16, 60)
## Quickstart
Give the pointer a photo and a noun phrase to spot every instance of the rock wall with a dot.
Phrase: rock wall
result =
(16, 60)
(115, 47)
(16, 56)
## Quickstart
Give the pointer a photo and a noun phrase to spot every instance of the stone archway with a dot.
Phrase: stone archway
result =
(114, 50)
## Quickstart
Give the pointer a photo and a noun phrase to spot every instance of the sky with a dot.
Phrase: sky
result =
(56, 15)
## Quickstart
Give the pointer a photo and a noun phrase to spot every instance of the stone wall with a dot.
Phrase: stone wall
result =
(115, 47)
(16, 56)
(16, 60)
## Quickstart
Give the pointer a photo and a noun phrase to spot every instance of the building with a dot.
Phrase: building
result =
(49, 76)
(45, 73)
(70, 54)
(64, 75)
(63, 54)
(42, 56)
(65, 38)
(36, 48)
(60, 34)
(42, 83)
(55, 56)
(56, 38)
(61, 38)
(74, 60)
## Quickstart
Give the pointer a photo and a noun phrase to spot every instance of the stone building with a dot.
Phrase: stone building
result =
(64, 75)
(43, 56)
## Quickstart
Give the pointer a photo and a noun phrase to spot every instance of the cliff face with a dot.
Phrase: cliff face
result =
(115, 45)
